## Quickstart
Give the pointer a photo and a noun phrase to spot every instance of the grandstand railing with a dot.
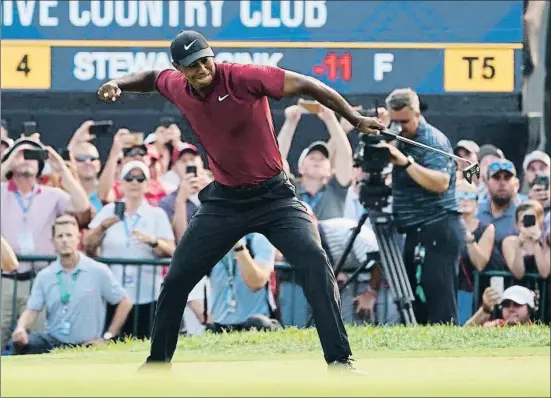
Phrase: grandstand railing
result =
(290, 298)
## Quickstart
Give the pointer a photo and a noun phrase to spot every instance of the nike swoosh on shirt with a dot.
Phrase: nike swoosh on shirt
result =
(187, 46)
(220, 99)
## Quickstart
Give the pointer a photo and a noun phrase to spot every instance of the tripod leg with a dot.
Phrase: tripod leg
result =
(393, 267)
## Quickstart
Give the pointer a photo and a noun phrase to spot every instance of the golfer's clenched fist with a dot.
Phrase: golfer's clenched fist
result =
(109, 92)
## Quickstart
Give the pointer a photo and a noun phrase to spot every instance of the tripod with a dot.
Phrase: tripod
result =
(392, 263)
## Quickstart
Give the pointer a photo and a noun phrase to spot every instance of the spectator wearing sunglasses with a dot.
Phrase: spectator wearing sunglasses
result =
(124, 142)
(537, 165)
(516, 307)
(143, 233)
(487, 155)
(527, 252)
(479, 239)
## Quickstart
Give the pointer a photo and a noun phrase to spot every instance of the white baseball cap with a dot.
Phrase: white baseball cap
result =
(536, 155)
(520, 295)
(150, 139)
(135, 164)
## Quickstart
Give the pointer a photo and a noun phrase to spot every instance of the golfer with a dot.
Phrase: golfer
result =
(227, 106)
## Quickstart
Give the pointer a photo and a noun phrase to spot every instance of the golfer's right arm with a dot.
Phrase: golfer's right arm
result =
(138, 82)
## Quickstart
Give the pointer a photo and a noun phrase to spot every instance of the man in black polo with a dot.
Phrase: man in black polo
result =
(425, 209)
(226, 105)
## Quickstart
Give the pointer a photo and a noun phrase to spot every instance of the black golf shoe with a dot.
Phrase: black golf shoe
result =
(345, 366)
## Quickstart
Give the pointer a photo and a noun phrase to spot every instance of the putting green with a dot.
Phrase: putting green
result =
(499, 372)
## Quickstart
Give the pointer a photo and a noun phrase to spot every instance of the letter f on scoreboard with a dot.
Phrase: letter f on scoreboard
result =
(382, 63)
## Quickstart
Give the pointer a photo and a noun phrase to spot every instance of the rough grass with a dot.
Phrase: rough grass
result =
(414, 361)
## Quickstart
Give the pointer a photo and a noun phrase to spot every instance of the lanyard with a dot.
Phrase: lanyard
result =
(64, 293)
(312, 200)
(21, 201)
(128, 230)
(230, 265)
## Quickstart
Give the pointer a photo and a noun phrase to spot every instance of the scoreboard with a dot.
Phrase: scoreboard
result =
(354, 46)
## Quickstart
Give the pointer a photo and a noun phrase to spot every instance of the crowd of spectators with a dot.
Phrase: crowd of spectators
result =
(137, 205)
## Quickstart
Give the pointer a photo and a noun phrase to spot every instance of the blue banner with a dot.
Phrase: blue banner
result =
(331, 21)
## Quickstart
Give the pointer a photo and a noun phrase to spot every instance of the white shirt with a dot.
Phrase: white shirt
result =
(191, 322)
(119, 242)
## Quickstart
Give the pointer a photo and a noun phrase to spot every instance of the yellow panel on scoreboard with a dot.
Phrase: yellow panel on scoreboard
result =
(479, 69)
(26, 67)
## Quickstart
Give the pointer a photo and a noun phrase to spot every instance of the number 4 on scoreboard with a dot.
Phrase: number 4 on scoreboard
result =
(23, 65)
(26, 67)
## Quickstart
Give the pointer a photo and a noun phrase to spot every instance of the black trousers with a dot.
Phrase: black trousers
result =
(226, 215)
(443, 241)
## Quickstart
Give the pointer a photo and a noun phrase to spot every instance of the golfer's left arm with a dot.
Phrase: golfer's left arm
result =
(301, 85)
(256, 271)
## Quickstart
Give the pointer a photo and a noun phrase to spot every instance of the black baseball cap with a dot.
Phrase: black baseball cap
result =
(188, 47)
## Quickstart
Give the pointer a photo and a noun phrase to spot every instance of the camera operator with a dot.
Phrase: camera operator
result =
(528, 252)
(425, 209)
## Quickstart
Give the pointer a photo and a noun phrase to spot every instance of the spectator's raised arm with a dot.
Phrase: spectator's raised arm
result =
(287, 132)
(108, 175)
(340, 147)
(79, 198)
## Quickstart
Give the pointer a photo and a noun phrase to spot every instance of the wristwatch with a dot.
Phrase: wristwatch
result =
(239, 248)
(108, 336)
(409, 163)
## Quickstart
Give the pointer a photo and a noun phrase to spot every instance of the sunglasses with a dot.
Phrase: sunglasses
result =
(139, 178)
(466, 195)
(500, 166)
(131, 152)
(84, 158)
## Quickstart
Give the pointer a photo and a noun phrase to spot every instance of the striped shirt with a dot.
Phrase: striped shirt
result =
(412, 204)
(337, 231)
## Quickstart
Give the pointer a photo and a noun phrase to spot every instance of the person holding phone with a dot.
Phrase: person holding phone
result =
(191, 178)
(125, 143)
(325, 169)
(28, 212)
(479, 243)
(528, 252)
(134, 229)
(515, 306)
(537, 166)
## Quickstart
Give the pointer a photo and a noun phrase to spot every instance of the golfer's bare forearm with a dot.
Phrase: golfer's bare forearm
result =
(297, 84)
(138, 82)
(121, 313)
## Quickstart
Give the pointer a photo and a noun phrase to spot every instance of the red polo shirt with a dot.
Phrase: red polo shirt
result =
(233, 122)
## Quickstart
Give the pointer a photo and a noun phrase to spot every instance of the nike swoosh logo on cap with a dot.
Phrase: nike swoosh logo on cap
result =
(220, 99)
(187, 46)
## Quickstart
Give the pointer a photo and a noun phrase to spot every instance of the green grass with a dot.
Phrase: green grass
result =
(400, 361)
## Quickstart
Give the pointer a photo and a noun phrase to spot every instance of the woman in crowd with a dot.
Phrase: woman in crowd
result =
(479, 242)
(143, 232)
(528, 252)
